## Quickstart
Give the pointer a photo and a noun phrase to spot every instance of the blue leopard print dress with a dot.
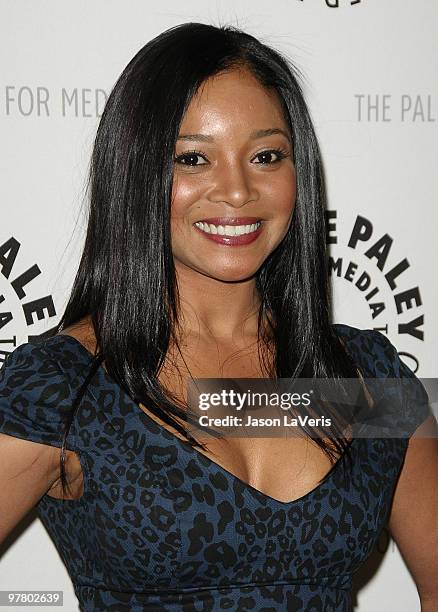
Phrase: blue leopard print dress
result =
(162, 527)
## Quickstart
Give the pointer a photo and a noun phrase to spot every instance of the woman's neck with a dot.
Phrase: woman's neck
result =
(217, 310)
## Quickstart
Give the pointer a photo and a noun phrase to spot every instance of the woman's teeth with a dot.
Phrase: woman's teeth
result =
(228, 230)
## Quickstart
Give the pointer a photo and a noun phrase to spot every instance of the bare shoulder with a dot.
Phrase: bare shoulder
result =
(82, 331)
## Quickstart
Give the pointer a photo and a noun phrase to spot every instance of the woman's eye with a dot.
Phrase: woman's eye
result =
(268, 157)
(190, 158)
(268, 154)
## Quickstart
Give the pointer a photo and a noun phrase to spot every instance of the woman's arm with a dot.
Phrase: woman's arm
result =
(27, 471)
(413, 518)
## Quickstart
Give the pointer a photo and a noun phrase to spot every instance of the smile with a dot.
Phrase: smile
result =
(228, 230)
(230, 235)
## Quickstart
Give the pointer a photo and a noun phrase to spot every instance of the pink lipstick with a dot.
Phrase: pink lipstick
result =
(230, 231)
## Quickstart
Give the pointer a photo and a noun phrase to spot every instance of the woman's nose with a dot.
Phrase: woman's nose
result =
(233, 186)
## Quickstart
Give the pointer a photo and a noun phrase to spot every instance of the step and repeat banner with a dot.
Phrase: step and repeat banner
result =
(370, 70)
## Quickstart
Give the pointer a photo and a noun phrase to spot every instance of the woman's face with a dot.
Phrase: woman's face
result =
(233, 172)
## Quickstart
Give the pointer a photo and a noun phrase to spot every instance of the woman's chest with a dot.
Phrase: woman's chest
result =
(158, 513)
(278, 463)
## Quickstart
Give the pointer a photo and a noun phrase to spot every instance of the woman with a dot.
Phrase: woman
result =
(206, 130)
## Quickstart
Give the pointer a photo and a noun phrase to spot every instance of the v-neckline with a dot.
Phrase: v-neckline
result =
(203, 457)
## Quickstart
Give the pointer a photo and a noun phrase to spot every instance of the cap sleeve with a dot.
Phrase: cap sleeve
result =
(409, 399)
(35, 396)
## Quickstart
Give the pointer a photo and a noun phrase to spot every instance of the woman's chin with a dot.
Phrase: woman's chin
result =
(224, 271)
(233, 276)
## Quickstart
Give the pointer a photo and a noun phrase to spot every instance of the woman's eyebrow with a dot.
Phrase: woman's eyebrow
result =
(253, 136)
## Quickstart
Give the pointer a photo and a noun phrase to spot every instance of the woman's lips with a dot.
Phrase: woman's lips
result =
(232, 240)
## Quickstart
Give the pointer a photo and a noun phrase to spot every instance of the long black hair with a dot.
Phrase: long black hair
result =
(126, 281)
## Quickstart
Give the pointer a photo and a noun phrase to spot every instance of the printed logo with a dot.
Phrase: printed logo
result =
(405, 108)
(375, 281)
(338, 3)
(20, 305)
(39, 101)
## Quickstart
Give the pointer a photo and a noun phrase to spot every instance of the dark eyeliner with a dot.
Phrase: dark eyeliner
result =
(187, 153)
(281, 154)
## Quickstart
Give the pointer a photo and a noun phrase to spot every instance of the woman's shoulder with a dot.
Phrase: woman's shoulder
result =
(371, 348)
(35, 394)
(34, 359)
(38, 383)
(379, 358)
(359, 336)
(46, 358)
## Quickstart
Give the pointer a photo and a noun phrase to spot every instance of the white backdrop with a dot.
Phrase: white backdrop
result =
(371, 83)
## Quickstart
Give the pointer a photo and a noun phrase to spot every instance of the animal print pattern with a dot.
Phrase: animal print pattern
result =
(162, 527)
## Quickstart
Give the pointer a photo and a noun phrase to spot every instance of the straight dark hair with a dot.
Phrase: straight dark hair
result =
(126, 279)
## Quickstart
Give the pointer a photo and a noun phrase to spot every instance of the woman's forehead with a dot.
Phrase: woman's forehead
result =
(232, 97)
